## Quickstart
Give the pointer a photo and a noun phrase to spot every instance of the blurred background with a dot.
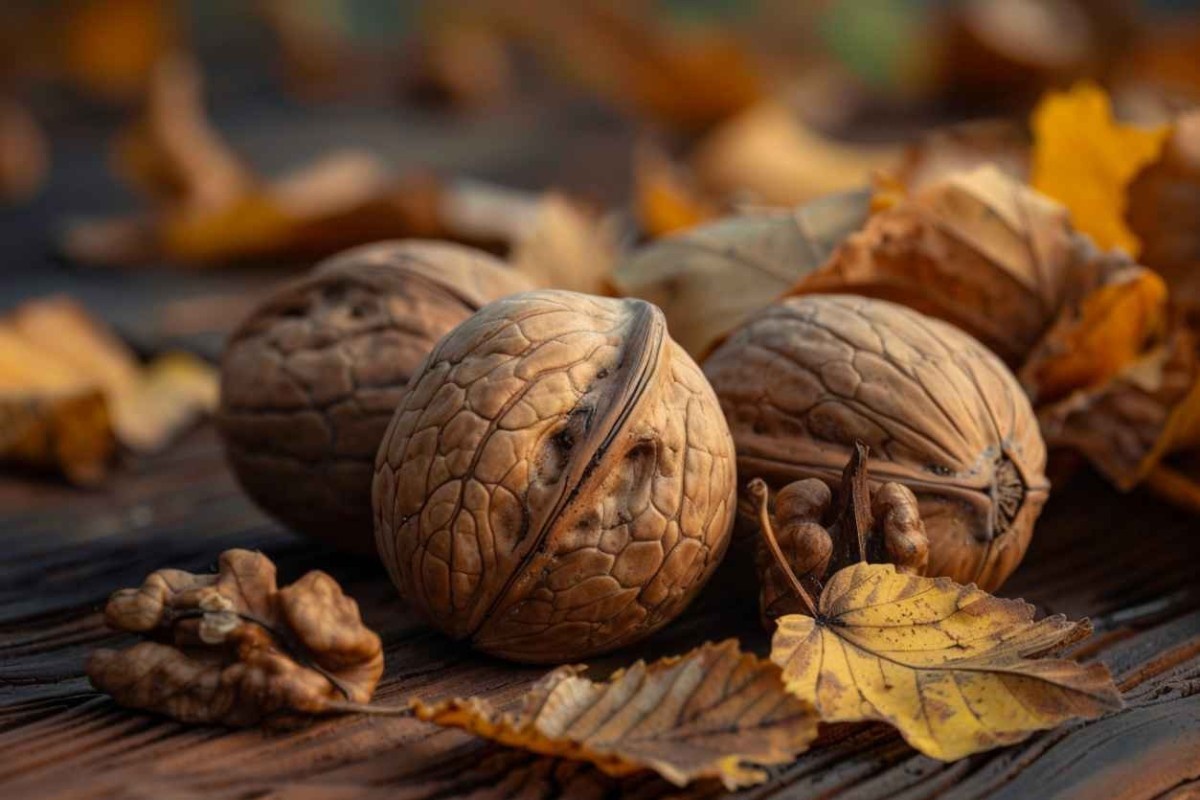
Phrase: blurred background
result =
(164, 163)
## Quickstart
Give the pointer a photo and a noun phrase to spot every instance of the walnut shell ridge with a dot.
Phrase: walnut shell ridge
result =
(558, 481)
(941, 414)
(310, 379)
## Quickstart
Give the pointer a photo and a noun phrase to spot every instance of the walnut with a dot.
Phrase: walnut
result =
(810, 376)
(558, 481)
(310, 379)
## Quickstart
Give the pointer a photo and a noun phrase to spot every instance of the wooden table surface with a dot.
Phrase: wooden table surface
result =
(1124, 561)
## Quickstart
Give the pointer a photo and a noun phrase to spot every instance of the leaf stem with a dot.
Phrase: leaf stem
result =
(347, 707)
(758, 490)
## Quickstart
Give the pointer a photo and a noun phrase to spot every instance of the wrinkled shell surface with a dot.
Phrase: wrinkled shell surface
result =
(559, 480)
(310, 380)
(941, 414)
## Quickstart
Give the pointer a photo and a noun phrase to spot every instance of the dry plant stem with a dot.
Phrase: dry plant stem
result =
(346, 707)
(855, 513)
(1175, 487)
(758, 490)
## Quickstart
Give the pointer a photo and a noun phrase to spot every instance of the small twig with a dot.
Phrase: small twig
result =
(856, 517)
(758, 490)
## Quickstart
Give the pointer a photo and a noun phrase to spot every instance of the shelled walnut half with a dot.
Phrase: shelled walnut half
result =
(810, 376)
(558, 481)
(310, 380)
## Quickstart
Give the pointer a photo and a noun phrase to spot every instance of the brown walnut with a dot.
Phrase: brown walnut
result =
(558, 481)
(810, 376)
(310, 380)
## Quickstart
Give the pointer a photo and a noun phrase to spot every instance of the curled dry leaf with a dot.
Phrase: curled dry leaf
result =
(952, 668)
(1084, 159)
(768, 154)
(815, 538)
(977, 249)
(71, 390)
(713, 713)
(233, 648)
(710, 279)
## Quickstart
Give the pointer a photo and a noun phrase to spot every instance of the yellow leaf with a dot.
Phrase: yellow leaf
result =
(713, 713)
(1085, 159)
(949, 666)
(1111, 329)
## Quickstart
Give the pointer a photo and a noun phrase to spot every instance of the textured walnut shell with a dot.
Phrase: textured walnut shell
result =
(558, 481)
(310, 380)
(941, 415)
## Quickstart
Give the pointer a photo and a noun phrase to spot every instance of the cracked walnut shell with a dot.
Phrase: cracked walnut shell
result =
(310, 379)
(558, 481)
(810, 376)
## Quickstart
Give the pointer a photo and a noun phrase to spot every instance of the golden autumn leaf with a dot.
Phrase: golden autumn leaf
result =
(952, 668)
(713, 713)
(1113, 325)
(70, 390)
(1085, 159)
(235, 648)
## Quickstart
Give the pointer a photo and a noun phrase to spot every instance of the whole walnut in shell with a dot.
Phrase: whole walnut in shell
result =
(558, 481)
(310, 379)
(810, 376)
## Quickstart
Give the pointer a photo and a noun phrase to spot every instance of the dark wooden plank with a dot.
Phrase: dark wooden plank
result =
(1126, 562)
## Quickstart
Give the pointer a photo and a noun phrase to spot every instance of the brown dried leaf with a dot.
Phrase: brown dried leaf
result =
(710, 279)
(1164, 204)
(950, 667)
(769, 155)
(964, 147)
(232, 648)
(977, 249)
(713, 713)
(815, 538)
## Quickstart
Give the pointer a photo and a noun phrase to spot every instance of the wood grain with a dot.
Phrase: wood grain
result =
(1124, 561)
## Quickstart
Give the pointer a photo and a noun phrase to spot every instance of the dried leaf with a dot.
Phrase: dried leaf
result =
(566, 247)
(710, 279)
(1164, 204)
(977, 249)
(110, 47)
(666, 200)
(713, 713)
(70, 390)
(1113, 326)
(1128, 424)
(949, 666)
(965, 147)
(769, 155)
(24, 153)
(66, 432)
(1085, 159)
(232, 648)
(809, 537)
(685, 80)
